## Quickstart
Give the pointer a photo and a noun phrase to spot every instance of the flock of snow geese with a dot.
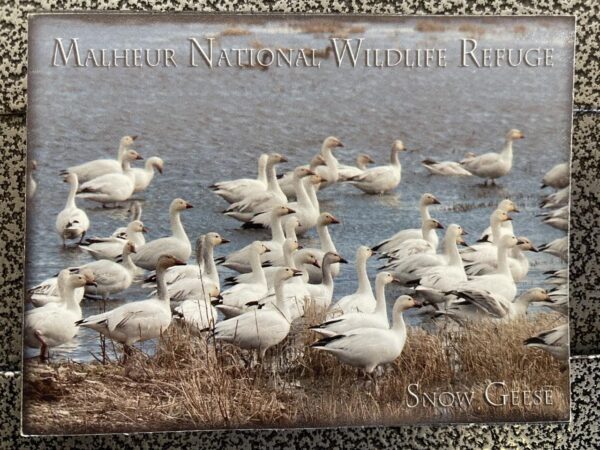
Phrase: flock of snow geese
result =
(278, 279)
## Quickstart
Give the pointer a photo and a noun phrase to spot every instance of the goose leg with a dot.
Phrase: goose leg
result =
(43, 346)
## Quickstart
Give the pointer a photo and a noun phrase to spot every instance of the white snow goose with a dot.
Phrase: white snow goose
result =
(557, 177)
(346, 172)
(447, 168)
(321, 294)
(326, 245)
(554, 341)
(112, 247)
(236, 190)
(199, 313)
(72, 222)
(558, 247)
(382, 179)
(143, 177)
(329, 172)
(506, 227)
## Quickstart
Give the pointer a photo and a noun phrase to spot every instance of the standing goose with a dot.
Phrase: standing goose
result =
(411, 233)
(554, 341)
(137, 321)
(377, 318)
(178, 245)
(143, 177)
(72, 222)
(447, 168)
(557, 177)
(346, 172)
(327, 245)
(260, 329)
(321, 294)
(491, 166)
(99, 167)
(486, 251)
(112, 248)
(362, 300)
(367, 348)
(236, 190)
(379, 180)
(329, 172)
(506, 227)
(112, 187)
(54, 324)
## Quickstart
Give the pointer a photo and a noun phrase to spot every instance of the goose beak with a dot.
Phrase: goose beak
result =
(145, 229)
(435, 201)
(218, 297)
(138, 157)
(417, 304)
(339, 144)
(283, 159)
(217, 301)
(396, 279)
(134, 137)
(300, 247)
(439, 226)
(225, 241)
(91, 283)
(290, 211)
(296, 273)
(508, 218)
(160, 169)
(310, 172)
(316, 264)
(533, 249)
(188, 206)
(179, 262)
(322, 180)
(464, 232)
(343, 261)
(267, 250)
(370, 160)
(520, 241)
(516, 210)
(335, 220)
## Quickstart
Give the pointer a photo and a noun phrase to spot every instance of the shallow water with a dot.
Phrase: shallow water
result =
(212, 125)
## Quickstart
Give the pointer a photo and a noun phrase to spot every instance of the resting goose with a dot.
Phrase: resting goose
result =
(54, 324)
(376, 318)
(557, 199)
(412, 233)
(559, 218)
(198, 313)
(321, 294)
(329, 172)
(31, 183)
(447, 168)
(491, 166)
(557, 177)
(346, 172)
(112, 247)
(425, 244)
(558, 247)
(554, 341)
(112, 187)
(327, 245)
(379, 180)
(99, 167)
(362, 300)
(368, 348)
(178, 245)
(486, 251)
(137, 321)
(506, 227)
(236, 190)
(260, 329)
(72, 222)
(143, 177)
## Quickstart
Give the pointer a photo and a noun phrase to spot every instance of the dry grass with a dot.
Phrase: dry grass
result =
(235, 31)
(430, 26)
(334, 28)
(471, 30)
(192, 383)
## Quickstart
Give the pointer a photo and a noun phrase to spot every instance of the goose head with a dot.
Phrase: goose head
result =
(276, 158)
(282, 210)
(214, 292)
(215, 239)
(128, 248)
(384, 278)
(536, 294)
(432, 224)
(456, 232)
(77, 280)
(290, 245)
(292, 223)
(89, 277)
(285, 273)
(127, 141)
(526, 244)
(327, 219)
(398, 146)
(32, 164)
(179, 204)
(136, 226)
(405, 302)
(132, 155)
(316, 161)
(429, 199)
(262, 160)
(155, 163)
(508, 241)
(514, 134)
(508, 206)
(308, 257)
(364, 160)
(499, 216)
(364, 252)
(71, 178)
(301, 172)
(259, 248)
(332, 258)
(315, 180)
(332, 142)
(166, 261)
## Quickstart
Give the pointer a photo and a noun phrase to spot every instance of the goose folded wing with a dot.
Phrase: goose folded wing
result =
(493, 305)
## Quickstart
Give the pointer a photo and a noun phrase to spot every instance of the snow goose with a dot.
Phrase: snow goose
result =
(321, 294)
(54, 324)
(346, 172)
(425, 244)
(506, 227)
(72, 222)
(556, 199)
(135, 213)
(111, 277)
(557, 177)
(260, 329)
(112, 247)
(198, 313)
(31, 183)
(412, 233)
(447, 168)
(177, 245)
(256, 202)
(554, 341)
(112, 187)
(368, 348)
(327, 245)
(99, 167)
(559, 218)
(374, 318)
(239, 260)
(379, 180)
(558, 247)
(329, 172)
(143, 177)
(494, 165)
(236, 190)
(362, 300)
(557, 277)
(137, 321)
(558, 300)
(517, 261)
(486, 251)
(286, 181)
(289, 228)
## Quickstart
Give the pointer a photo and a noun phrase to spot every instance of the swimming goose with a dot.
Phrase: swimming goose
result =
(321, 294)
(558, 247)
(554, 341)
(556, 199)
(362, 300)
(111, 277)
(346, 172)
(239, 260)
(412, 233)
(494, 165)
(367, 348)
(236, 190)
(99, 167)
(379, 180)
(178, 245)
(327, 245)
(198, 313)
(517, 261)
(506, 227)
(425, 244)
(140, 320)
(375, 318)
(447, 168)
(260, 329)
(329, 172)
(143, 177)
(112, 247)
(557, 177)
(486, 251)
(54, 324)
(72, 222)
(112, 187)
(31, 183)
(559, 218)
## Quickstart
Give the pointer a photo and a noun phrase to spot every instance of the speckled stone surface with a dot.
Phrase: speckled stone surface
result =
(13, 27)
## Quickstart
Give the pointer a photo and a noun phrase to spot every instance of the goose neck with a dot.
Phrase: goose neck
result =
(394, 160)
(177, 227)
(127, 261)
(507, 150)
(399, 326)
(72, 193)
(451, 251)
(380, 307)
(161, 285)
(272, 183)
(277, 234)
(424, 210)
(208, 263)
(327, 244)
(257, 269)
(327, 278)
(503, 267)
(280, 300)
(262, 171)
(301, 194)
(364, 285)
(69, 299)
(331, 163)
